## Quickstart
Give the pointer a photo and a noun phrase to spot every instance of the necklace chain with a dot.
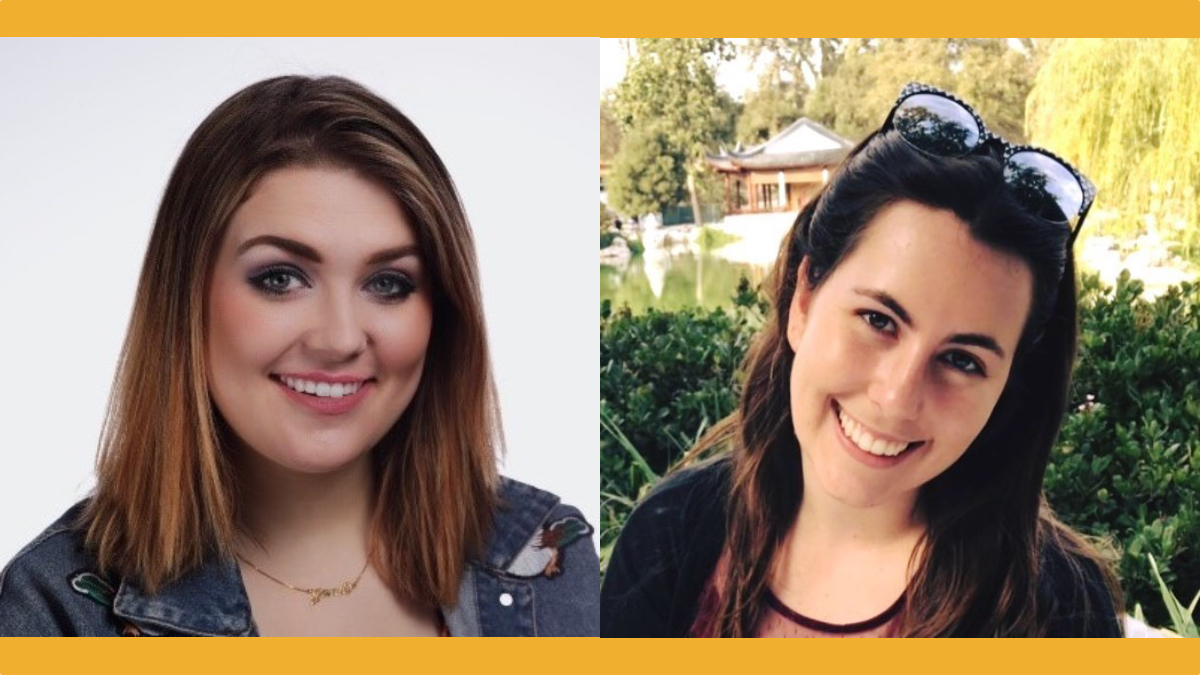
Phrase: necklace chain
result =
(315, 595)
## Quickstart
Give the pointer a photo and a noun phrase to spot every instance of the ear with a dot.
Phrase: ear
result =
(798, 312)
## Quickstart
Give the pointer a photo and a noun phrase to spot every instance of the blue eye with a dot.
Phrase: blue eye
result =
(391, 286)
(963, 362)
(279, 280)
(878, 321)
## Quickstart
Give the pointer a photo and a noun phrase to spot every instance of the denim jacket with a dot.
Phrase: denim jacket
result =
(539, 575)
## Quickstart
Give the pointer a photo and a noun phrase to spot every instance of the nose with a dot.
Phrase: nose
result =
(898, 388)
(338, 333)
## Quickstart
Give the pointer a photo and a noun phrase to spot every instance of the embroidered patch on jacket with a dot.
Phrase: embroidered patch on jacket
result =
(94, 587)
(543, 553)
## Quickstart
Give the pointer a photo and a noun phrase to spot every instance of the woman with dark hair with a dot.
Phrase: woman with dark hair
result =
(303, 435)
(883, 473)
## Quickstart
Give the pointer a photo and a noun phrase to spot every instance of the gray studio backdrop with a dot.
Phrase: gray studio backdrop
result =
(89, 131)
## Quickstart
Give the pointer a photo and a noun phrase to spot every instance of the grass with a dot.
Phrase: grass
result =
(711, 238)
(1182, 623)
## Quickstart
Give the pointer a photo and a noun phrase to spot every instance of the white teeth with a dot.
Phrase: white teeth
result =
(866, 441)
(322, 389)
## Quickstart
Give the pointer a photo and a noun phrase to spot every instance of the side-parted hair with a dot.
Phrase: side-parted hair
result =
(166, 498)
(978, 568)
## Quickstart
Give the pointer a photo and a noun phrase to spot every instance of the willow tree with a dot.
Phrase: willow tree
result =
(1128, 113)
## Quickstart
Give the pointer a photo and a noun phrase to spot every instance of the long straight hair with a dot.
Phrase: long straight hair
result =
(977, 567)
(167, 493)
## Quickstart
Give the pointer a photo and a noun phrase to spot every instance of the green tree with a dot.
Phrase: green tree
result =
(610, 132)
(670, 91)
(648, 174)
(769, 109)
(991, 74)
(1126, 112)
(789, 65)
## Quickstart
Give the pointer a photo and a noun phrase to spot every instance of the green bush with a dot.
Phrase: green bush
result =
(665, 377)
(607, 233)
(1127, 464)
(1126, 467)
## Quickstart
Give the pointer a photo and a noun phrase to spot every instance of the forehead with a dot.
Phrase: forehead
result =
(324, 207)
(928, 261)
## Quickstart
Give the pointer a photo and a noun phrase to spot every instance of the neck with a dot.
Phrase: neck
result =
(287, 513)
(825, 519)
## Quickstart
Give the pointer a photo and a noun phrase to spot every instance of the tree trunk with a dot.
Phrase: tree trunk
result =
(697, 216)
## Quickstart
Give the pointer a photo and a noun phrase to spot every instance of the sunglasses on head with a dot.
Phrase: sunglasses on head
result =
(939, 124)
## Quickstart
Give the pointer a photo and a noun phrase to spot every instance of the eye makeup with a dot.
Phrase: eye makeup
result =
(281, 279)
(277, 280)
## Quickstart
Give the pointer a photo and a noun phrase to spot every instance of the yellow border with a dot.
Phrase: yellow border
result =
(524, 17)
(32, 656)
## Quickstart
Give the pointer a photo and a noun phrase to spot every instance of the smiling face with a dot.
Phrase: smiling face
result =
(901, 353)
(319, 316)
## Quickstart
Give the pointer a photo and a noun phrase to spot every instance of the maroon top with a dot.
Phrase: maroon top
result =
(779, 620)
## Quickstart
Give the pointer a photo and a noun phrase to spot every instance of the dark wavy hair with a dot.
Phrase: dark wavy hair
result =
(978, 565)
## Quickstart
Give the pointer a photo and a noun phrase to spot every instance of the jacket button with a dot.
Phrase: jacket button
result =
(506, 599)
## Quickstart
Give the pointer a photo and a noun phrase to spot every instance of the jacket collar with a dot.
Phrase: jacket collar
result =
(521, 511)
(212, 600)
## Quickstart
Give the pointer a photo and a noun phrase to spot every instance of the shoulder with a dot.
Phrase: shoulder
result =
(1078, 600)
(52, 587)
(666, 550)
(526, 513)
(544, 547)
(684, 500)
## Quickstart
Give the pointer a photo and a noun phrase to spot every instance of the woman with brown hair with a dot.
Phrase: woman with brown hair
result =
(883, 474)
(303, 433)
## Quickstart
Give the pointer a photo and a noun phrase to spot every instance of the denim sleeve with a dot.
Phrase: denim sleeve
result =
(36, 595)
(568, 604)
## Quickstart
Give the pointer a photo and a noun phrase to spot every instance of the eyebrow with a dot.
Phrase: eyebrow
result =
(969, 339)
(306, 251)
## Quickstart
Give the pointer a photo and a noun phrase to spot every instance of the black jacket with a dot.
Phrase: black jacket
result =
(672, 541)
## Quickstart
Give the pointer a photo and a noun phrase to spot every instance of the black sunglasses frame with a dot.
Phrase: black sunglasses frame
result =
(986, 137)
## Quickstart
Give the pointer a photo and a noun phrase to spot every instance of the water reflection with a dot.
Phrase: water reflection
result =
(674, 281)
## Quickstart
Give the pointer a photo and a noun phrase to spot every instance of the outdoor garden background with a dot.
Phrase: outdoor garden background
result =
(680, 303)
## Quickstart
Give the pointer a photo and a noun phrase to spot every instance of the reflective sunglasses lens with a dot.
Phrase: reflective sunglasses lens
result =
(936, 125)
(1044, 186)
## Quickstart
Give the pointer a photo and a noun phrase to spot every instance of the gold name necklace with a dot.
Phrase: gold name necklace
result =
(315, 595)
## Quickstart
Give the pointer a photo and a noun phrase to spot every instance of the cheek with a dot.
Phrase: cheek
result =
(239, 330)
(404, 333)
(964, 414)
(831, 359)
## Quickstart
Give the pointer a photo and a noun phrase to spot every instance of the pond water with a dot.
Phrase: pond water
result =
(674, 281)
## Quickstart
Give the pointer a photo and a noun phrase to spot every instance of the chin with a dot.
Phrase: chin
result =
(318, 466)
(305, 457)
